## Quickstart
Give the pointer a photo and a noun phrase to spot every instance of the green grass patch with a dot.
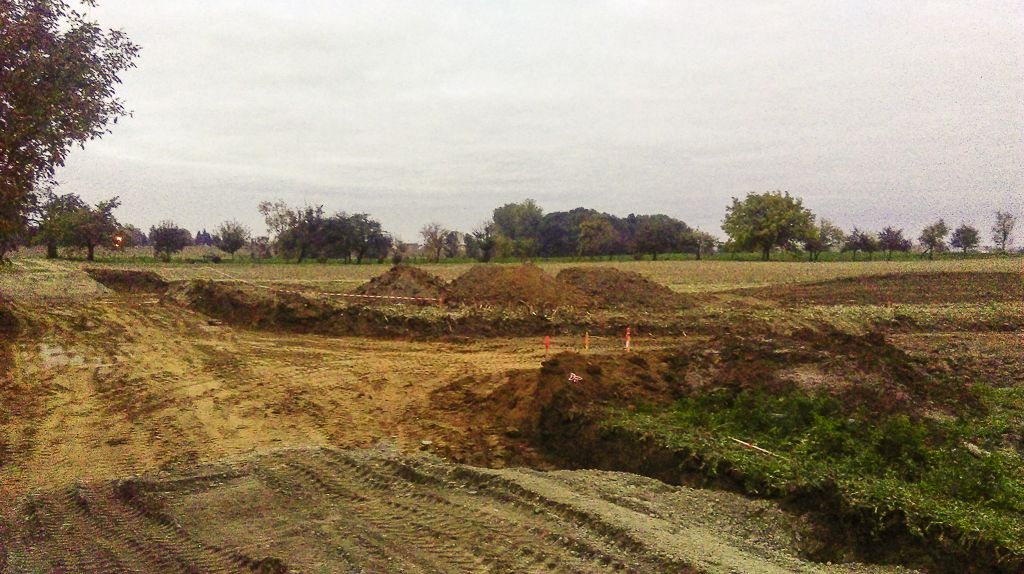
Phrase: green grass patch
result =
(944, 476)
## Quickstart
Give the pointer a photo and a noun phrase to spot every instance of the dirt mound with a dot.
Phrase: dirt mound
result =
(900, 288)
(404, 281)
(128, 280)
(508, 286)
(564, 415)
(248, 306)
(611, 287)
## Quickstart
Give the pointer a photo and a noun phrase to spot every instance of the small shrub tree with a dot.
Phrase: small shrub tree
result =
(231, 236)
(167, 239)
(933, 238)
(891, 239)
(965, 238)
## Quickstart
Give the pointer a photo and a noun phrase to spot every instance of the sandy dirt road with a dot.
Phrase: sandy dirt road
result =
(376, 510)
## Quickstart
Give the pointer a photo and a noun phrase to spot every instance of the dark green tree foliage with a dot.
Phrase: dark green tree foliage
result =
(452, 244)
(132, 236)
(55, 221)
(698, 242)
(560, 232)
(596, 236)
(933, 238)
(91, 227)
(517, 228)
(58, 71)
(854, 242)
(305, 232)
(826, 236)
(230, 237)
(167, 239)
(869, 244)
(766, 221)
(655, 234)
(204, 238)
(367, 237)
(302, 237)
(965, 238)
(891, 240)
(482, 243)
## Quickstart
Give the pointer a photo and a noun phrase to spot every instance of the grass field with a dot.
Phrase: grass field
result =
(682, 276)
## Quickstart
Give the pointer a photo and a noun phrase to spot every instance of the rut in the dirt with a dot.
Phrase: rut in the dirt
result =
(313, 510)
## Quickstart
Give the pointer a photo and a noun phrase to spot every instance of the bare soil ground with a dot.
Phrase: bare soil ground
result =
(137, 435)
(325, 510)
(903, 288)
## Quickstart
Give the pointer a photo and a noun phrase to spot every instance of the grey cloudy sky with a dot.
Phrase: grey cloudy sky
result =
(873, 112)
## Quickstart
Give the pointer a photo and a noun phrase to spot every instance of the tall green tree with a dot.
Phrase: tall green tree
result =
(965, 238)
(167, 239)
(826, 236)
(231, 236)
(91, 227)
(891, 239)
(657, 234)
(56, 218)
(597, 236)
(58, 71)
(697, 242)
(298, 232)
(933, 238)
(517, 226)
(765, 221)
(482, 243)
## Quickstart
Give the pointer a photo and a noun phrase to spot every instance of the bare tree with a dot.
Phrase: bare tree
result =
(434, 235)
(1002, 231)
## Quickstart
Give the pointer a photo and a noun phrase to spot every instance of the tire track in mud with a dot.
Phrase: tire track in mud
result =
(313, 510)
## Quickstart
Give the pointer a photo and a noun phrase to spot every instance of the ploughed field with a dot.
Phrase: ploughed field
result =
(232, 425)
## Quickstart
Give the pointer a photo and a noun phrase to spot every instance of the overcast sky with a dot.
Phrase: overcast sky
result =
(873, 112)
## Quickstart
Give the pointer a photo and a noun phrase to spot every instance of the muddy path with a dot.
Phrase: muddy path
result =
(327, 510)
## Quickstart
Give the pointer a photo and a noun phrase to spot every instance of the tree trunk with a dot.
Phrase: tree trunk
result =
(92, 252)
(766, 254)
(51, 249)
(698, 254)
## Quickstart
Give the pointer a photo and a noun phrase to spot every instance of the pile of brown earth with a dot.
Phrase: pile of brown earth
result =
(899, 288)
(508, 286)
(404, 281)
(266, 309)
(611, 287)
(128, 280)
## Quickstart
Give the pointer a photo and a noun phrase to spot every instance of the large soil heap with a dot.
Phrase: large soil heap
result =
(611, 287)
(404, 281)
(128, 280)
(508, 286)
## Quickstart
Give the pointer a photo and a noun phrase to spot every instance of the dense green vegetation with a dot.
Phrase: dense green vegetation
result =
(941, 474)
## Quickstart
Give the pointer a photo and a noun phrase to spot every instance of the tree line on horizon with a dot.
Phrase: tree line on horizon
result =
(58, 79)
(761, 222)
